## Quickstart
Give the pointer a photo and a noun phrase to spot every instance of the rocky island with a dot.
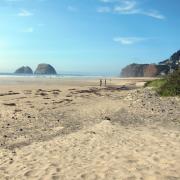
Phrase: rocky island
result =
(45, 69)
(24, 70)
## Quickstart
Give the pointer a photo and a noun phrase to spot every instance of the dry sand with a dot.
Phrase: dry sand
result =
(72, 129)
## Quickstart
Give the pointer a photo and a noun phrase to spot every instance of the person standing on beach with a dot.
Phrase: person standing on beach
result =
(105, 82)
(100, 82)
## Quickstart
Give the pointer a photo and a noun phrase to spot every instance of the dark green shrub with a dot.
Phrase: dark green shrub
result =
(172, 85)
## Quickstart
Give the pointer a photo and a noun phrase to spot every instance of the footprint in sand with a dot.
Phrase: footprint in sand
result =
(29, 173)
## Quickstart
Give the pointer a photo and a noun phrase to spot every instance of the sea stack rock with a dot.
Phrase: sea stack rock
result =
(45, 69)
(24, 70)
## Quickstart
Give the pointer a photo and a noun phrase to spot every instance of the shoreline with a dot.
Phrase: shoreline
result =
(68, 80)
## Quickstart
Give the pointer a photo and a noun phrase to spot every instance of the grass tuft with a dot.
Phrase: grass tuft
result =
(155, 83)
(168, 86)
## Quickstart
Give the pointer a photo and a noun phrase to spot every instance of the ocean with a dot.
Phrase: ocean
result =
(10, 79)
(12, 75)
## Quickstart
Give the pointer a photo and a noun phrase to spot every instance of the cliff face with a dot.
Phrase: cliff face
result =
(152, 70)
(133, 70)
(24, 70)
(45, 69)
(144, 70)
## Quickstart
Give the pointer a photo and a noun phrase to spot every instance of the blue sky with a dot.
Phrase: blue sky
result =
(94, 36)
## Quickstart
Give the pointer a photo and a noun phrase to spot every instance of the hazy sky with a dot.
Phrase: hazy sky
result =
(87, 35)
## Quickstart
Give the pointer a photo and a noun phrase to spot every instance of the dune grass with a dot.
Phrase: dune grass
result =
(155, 83)
(167, 86)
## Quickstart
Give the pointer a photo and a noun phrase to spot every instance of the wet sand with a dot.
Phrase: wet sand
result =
(73, 129)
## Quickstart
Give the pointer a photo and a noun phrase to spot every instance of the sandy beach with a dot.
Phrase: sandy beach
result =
(72, 129)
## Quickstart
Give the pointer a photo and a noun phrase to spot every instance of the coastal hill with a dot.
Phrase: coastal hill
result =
(144, 70)
(45, 69)
(24, 70)
(152, 70)
(173, 60)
